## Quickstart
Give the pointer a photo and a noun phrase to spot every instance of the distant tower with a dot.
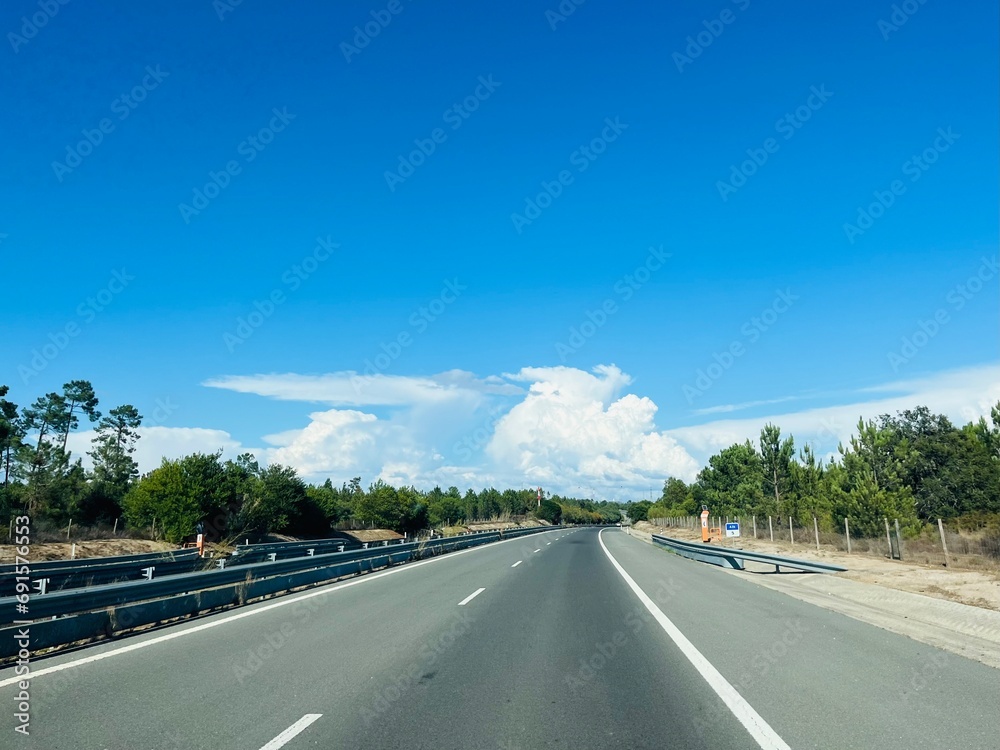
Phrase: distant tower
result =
(539, 497)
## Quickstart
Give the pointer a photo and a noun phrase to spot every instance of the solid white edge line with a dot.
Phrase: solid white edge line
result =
(517, 563)
(283, 602)
(754, 723)
(471, 596)
(282, 739)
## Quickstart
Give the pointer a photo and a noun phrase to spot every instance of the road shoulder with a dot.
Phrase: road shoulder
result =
(972, 632)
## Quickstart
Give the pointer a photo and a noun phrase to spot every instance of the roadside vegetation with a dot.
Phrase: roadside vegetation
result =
(915, 467)
(228, 498)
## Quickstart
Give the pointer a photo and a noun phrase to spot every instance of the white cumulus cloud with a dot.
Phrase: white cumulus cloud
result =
(574, 429)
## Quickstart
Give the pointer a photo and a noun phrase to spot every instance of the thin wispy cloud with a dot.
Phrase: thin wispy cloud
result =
(726, 408)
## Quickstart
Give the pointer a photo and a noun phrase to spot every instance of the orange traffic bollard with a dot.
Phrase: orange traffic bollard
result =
(704, 524)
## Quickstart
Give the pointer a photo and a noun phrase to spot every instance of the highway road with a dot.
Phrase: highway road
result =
(575, 639)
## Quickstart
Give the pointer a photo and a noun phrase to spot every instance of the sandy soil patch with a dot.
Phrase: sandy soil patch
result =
(976, 588)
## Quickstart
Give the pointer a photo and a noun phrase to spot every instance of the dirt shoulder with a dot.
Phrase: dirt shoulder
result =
(955, 610)
(975, 588)
(96, 548)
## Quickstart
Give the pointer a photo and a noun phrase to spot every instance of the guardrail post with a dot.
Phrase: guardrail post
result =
(272, 556)
(221, 563)
(147, 573)
(311, 552)
(944, 544)
(42, 584)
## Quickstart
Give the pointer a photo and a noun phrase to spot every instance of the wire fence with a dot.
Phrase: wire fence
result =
(945, 543)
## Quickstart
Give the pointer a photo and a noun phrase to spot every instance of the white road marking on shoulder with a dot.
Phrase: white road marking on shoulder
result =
(517, 563)
(754, 723)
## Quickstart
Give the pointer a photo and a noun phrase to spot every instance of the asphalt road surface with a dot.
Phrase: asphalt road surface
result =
(571, 639)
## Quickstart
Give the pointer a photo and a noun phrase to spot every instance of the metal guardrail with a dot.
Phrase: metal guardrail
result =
(253, 553)
(49, 576)
(242, 549)
(58, 603)
(84, 562)
(98, 572)
(728, 557)
(108, 610)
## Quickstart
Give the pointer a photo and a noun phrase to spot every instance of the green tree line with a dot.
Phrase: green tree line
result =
(228, 498)
(915, 466)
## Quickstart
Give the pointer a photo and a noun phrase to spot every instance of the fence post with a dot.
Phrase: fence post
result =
(115, 529)
(888, 538)
(771, 527)
(69, 529)
(791, 534)
(847, 532)
(944, 544)
(816, 529)
(754, 518)
(899, 541)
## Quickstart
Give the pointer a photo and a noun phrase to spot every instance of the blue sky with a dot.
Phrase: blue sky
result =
(836, 108)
